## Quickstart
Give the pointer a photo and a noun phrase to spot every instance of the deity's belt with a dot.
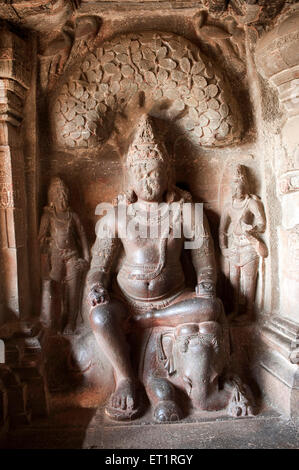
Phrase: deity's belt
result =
(129, 268)
(139, 306)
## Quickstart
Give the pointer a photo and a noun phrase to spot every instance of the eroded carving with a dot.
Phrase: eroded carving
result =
(177, 81)
(225, 39)
(289, 182)
(242, 222)
(74, 40)
(65, 257)
(181, 332)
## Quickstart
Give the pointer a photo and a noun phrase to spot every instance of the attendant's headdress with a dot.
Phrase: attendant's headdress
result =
(56, 185)
(239, 174)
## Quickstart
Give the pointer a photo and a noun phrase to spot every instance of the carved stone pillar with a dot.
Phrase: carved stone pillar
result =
(14, 81)
(277, 58)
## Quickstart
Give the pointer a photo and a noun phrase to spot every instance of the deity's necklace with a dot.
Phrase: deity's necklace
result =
(148, 217)
(163, 244)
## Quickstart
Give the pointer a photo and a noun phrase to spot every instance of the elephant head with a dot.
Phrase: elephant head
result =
(194, 354)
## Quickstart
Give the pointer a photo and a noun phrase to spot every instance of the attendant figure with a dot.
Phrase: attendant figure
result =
(65, 257)
(242, 221)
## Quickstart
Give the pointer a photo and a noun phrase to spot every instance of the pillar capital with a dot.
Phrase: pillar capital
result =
(14, 76)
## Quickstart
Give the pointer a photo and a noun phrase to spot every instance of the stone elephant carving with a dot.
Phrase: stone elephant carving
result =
(193, 358)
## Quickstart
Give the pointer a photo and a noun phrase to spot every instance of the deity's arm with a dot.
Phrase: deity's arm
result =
(202, 253)
(82, 237)
(104, 252)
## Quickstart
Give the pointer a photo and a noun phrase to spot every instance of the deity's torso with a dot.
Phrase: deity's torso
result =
(152, 266)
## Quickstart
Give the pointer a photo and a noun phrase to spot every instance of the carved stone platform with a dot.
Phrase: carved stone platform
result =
(277, 373)
(89, 429)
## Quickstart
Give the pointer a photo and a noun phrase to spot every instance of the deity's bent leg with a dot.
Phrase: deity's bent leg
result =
(107, 321)
(193, 309)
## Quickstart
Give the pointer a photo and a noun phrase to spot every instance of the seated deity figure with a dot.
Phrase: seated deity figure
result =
(65, 257)
(242, 221)
(181, 331)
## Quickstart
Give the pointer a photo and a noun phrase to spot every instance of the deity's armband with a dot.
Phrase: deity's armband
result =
(103, 256)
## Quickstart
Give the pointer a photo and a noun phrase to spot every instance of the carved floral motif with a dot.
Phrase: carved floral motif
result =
(177, 81)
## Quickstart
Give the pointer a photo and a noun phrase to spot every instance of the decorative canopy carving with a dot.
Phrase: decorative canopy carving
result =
(35, 14)
(171, 75)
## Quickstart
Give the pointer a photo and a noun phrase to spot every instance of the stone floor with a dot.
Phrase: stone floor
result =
(89, 429)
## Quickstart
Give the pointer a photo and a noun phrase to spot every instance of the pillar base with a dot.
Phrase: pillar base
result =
(277, 370)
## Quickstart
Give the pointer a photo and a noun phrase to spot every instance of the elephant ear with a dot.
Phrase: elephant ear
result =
(165, 352)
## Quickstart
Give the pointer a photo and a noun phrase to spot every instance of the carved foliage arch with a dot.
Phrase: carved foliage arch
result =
(177, 82)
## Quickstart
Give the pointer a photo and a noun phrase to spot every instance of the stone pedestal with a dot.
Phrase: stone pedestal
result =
(23, 378)
(278, 372)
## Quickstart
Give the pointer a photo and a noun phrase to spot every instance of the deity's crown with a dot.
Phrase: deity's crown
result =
(147, 144)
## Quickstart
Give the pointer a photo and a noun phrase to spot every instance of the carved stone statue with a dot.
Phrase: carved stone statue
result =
(65, 256)
(180, 332)
(242, 222)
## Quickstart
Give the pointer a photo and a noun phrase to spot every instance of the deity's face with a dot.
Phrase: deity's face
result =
(60, 200)
(239, 189)
(149, 180)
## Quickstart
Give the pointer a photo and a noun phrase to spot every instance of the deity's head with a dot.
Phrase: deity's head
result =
(148, 165)
(239, 182)
(58, 194)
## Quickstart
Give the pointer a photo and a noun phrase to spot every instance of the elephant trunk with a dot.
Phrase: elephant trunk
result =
(197, 350)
